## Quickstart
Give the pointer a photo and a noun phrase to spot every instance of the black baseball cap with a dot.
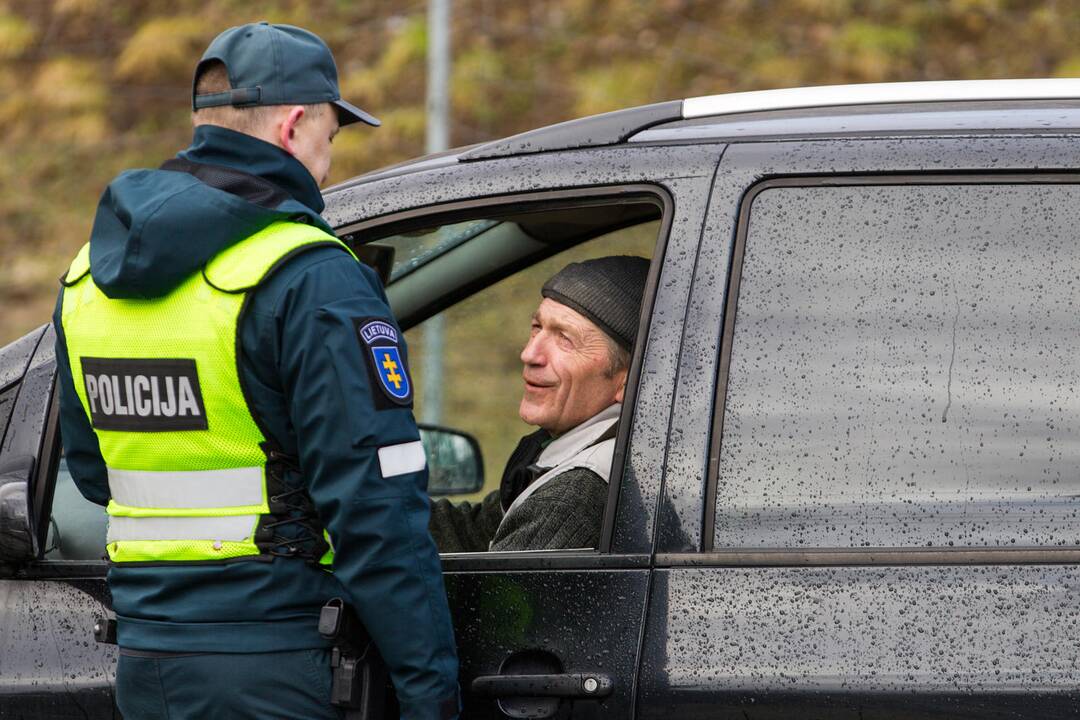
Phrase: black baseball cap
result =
(276, 65)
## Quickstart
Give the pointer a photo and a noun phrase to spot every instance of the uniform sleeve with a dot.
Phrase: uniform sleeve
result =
(359, 451)
(565, 513)
(81, 449)
(465, 527)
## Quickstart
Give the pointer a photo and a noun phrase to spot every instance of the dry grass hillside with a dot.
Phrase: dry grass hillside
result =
(89, 87)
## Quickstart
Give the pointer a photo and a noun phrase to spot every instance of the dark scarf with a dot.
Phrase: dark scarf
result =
(521, 469)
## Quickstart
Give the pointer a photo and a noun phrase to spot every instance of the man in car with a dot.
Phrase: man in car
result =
(576, 360)
(234, 388)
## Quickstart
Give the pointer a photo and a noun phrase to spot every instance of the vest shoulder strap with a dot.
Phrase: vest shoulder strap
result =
(244, 265)
(78, 268)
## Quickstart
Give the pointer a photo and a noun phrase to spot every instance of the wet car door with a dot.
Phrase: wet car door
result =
(874, 474)
(571, 617)
(52, 578)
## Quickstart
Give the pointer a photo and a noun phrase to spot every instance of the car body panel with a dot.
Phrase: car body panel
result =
(50, 664)
(862, 642)
(743, 166)
(731, 635)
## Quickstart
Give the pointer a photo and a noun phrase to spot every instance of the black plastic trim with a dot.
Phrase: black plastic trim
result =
(45, 476)
(541, 560)
(735, 277)
(871, 556)
(605, 129)
(559, 685)
(63, 569)
(633, 378)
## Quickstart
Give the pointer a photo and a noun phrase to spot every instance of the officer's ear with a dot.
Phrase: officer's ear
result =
(287, 129)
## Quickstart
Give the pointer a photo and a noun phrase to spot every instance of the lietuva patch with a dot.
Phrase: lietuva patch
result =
(385, 361)
(143, 395)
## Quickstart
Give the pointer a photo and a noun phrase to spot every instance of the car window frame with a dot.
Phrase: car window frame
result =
(456, 211)
(784, 557)
(41, 567)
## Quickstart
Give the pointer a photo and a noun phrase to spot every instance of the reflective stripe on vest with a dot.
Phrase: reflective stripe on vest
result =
(158, 380)
(232, 487)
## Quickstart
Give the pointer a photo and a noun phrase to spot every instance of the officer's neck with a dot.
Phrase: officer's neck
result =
(215, 145)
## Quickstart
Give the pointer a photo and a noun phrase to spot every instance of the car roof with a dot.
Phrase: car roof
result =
(951, 107)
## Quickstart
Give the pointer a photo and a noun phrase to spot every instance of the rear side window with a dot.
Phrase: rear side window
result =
(903, 369)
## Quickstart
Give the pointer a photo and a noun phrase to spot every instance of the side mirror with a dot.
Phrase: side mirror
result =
(16, 536)
(455, 465)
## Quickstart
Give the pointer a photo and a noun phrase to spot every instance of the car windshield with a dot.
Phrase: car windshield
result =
(413, 249)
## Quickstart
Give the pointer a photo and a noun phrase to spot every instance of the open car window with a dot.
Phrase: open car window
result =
(464, 285)
(414, 249)
(482, 339)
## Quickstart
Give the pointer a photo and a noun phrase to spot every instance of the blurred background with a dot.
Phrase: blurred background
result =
(90, 87)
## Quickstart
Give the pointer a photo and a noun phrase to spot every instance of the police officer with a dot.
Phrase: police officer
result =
(234, 389)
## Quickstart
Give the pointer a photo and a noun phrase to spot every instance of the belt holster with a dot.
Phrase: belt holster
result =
(359, 674)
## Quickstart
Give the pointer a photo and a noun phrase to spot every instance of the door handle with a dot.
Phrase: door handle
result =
(564, 685)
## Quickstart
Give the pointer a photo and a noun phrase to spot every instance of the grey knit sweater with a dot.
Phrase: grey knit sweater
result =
(565, 513)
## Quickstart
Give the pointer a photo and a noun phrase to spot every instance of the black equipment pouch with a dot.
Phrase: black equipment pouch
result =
(359, 674)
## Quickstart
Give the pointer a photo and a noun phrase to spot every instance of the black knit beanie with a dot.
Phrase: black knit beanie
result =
(606, 290)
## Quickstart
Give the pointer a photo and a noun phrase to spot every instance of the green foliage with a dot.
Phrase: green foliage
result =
(869, 50)
(72, 94)
(16, 35)
(603, 89)
(163, 47)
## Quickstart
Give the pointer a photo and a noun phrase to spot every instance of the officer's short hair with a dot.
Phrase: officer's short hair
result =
(214, 78)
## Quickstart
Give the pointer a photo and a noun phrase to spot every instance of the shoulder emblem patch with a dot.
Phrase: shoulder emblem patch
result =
(385, 361)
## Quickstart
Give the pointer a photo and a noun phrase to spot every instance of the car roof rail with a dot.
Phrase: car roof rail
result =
(615, 127)
(605, 129)
(880, 94)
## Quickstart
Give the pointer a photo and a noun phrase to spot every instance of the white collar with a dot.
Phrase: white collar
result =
(574, 441)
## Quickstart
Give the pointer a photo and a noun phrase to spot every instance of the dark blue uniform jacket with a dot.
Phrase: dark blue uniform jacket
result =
(303, 366)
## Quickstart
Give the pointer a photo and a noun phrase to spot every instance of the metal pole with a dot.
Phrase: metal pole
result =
(438, 139)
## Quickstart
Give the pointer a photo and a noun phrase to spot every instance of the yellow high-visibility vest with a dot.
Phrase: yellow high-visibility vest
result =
(158, 379)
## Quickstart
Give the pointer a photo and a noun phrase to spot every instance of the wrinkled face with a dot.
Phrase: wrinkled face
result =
(312, 140)
(567, 366)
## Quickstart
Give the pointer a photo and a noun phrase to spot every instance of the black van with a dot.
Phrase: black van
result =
(843, 484)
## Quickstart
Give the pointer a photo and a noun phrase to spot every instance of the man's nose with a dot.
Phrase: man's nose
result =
(532, 353)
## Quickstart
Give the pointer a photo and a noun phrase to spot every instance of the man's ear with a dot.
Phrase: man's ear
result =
(287, 129)
(621, 392)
